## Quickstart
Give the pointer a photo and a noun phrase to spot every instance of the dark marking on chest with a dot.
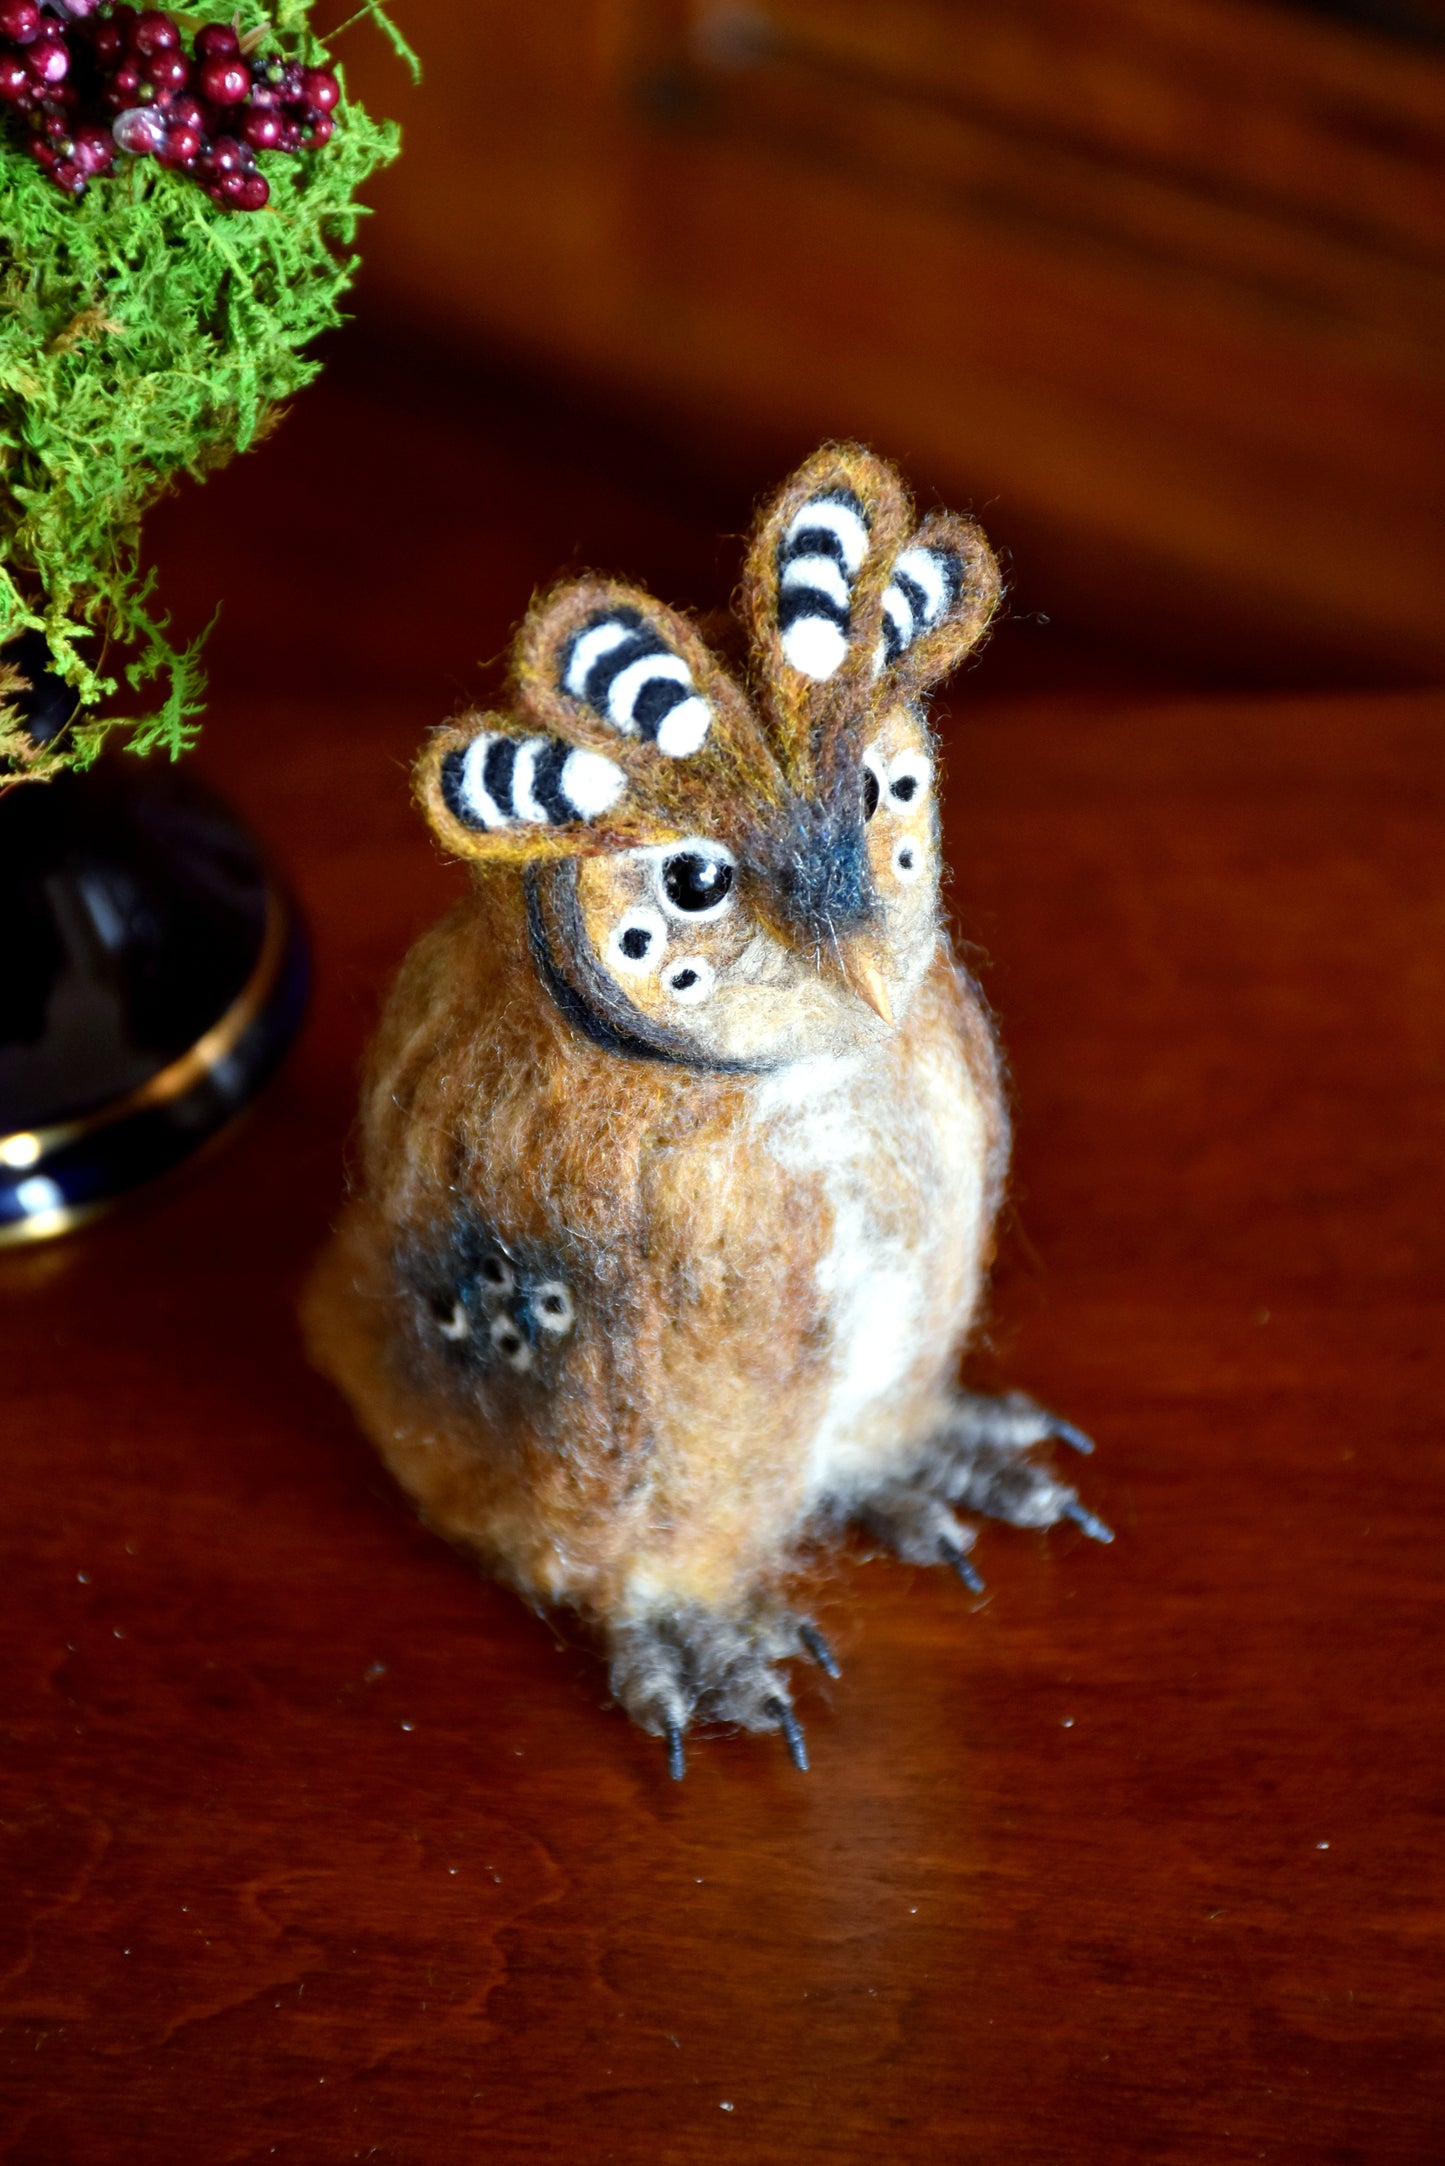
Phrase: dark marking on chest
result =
(486, 1304)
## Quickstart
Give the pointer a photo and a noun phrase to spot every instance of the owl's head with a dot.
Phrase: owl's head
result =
(730, 876)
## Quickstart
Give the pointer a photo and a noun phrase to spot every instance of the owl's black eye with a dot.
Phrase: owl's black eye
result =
(870, 793)
(694, 882)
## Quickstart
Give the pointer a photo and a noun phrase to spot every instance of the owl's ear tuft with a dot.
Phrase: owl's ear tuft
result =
(943, 587)
(813, 588)
(619, 666)
(496, 791)
(595, 656)
(842, 587)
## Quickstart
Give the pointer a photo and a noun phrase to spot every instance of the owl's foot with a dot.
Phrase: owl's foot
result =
(978, 1463)
(691, 1664)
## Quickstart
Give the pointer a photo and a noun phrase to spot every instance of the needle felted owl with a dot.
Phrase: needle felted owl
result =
(683, 1138)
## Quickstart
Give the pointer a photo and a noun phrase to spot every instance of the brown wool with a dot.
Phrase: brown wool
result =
(682, 1138)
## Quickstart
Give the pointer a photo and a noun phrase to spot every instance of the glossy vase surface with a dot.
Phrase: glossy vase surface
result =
(151, 977)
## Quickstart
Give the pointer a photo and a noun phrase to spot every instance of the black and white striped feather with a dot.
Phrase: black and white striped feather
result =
(821, 553)
(923, 589)
(622, 668)
(498, 782)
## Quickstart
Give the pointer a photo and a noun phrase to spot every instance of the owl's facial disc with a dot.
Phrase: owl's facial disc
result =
(697, 951)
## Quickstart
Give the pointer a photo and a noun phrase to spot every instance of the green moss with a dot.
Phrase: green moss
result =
(145, 333)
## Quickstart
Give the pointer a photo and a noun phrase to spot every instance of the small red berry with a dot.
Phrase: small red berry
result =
(48, 59)
(254, 192)
(290, 87)
(168, 71)
(94, 150)
(108, 43)
(19, 21)
(262, 130)
(66, 174)
(182, 146)
(290, 136)
(216, 41)
(320, 89)
(56, 129)
(322, 130)
(187, 113)
(14, 79)
(225, 80)
(126, 80)
(155, 33)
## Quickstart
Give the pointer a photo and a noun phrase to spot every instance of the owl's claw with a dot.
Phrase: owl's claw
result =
(792, 1731)
(818, 1648)
(979, 1462)
(1094, 1527)
(677, 1667)
(969, 1573)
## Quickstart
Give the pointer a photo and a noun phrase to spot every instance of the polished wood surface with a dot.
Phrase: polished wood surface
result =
(318, 1848)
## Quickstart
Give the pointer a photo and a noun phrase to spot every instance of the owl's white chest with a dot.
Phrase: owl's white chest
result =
(901, 1176)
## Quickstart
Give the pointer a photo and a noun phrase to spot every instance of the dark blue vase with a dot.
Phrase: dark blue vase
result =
(152, 974)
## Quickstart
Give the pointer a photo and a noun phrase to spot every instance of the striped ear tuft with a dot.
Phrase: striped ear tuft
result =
(625, 732)
(627, 672)
(820, 555)
(922, 590)
(942, 589)
(494, 789)
(812, 590)
(497, 781)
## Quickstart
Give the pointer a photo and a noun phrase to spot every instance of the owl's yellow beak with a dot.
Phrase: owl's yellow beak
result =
(864, 978)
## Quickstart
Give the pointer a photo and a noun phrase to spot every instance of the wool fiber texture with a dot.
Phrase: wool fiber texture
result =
(682, 1140)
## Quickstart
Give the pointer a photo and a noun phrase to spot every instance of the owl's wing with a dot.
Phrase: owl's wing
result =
(624, 730)
(847, 597)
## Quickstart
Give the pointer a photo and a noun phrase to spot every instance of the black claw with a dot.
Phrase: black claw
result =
(1074, 1438)
(676, 1758)
(1083, 1517)
(819, 1649)
(968, 1573)
(788, 1723)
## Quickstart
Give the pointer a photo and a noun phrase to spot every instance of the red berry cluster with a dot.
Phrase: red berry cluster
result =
(93, 81)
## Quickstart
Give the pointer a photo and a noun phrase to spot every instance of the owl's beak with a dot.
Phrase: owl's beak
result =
(865, 979)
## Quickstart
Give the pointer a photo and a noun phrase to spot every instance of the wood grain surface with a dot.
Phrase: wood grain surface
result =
(317, 1848)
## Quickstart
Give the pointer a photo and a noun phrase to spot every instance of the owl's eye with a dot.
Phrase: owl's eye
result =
(908, 779)
(689, 981)
(698, 880)
(870, 793)
(637, 942)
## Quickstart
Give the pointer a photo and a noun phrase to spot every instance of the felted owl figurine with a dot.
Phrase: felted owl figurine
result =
(682, 1139)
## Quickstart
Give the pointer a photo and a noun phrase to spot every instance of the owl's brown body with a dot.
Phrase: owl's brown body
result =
(671, 1227)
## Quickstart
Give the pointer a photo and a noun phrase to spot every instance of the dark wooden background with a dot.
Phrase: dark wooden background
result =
(316, 1847)
(1161, 283)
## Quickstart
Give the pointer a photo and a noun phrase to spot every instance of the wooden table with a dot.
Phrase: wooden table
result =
(319, 1849)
